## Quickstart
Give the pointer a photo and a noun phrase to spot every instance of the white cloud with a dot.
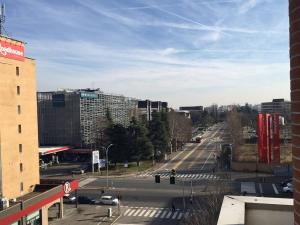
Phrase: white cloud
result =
(249, 4)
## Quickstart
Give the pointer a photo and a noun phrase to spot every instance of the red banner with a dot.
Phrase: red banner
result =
(276, 138)
(11, 51)
(260, 127)
(267, 138)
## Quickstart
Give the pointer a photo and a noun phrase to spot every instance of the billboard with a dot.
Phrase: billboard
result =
(11, 51)
(95, 157)
(260, 127)
(275, 138)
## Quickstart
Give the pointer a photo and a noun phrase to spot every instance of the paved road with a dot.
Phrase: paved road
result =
(145, 202)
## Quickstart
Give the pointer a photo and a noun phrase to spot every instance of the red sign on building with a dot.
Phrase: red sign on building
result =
(11, 51)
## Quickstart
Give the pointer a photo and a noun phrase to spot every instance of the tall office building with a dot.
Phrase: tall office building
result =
(294, 14)
(71, 117)
(19, 159)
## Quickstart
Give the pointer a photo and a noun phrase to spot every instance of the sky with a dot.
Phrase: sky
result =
(185, 52)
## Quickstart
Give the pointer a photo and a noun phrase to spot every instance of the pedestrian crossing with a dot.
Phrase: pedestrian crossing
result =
(195, 176)
(158, 213)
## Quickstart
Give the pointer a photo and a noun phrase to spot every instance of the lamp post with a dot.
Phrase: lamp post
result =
(106, 152)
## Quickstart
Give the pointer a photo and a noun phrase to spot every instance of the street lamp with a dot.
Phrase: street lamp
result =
(106, 152)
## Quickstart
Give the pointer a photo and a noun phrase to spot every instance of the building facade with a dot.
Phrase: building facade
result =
(19, 159)
(147, 107)
(72, 117)
(294, 15)
(279, 106)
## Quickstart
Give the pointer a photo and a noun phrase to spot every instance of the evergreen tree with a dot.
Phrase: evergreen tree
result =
(141, 146)
(118, 136)
(158, 135)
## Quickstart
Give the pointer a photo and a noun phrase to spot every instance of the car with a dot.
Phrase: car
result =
(108, 200)
(285, 182)
(85, 200)
(81, 170)
(69, 199)
(288, 188)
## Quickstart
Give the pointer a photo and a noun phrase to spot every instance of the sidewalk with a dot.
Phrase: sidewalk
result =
(86, 215)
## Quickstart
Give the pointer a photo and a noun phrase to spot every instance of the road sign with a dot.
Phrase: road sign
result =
(95, 157)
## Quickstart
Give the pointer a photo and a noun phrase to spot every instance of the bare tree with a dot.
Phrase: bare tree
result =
(234, 120)
(180, 129)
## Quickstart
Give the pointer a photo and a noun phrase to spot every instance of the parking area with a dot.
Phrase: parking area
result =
(84, 215)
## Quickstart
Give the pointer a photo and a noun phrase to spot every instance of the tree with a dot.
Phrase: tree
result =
(118, 136)
(180, 129)
(158, 135)
(141, 146)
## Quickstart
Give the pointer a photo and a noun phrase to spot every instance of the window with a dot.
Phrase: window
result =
(21, 167)
(18, 90)
(20, 148)
(19, 109)
(21, 186)
(19, 128)
(17, 71)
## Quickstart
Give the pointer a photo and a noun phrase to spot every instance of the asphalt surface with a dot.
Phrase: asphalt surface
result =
(145, 202)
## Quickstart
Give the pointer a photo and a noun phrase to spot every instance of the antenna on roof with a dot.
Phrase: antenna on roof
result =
(2, 19)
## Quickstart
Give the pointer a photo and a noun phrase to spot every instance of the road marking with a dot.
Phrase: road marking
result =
(186, 214)
(86, 181)
(275, 189)
(174, 215)
(137, 212)
(147, 213)
(158, 213)
(185, 157)
(152, 214)
(206, 161)
(163, 214)
(143, 211)
(169, 214)
(126, 212)
(131, 212)
(179, 216)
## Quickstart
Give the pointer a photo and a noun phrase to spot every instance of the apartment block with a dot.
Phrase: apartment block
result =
(71, 117)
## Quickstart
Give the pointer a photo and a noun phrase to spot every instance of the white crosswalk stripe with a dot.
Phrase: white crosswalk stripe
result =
(161, 213)
(193, 176)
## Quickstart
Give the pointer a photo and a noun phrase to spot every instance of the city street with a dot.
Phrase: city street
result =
(145, 202)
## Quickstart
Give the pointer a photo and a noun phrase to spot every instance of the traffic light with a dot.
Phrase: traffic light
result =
(172, 180)
(173, 172)
(157, 178)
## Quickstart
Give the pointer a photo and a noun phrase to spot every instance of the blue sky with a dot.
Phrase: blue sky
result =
(186, 52)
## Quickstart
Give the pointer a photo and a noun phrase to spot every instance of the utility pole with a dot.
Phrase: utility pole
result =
(2, 19)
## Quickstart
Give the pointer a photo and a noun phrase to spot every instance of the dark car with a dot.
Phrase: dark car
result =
(85, 200)
(285, 182)
(69, 199)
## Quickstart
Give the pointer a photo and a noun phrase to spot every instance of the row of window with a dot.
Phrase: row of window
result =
(20, 128)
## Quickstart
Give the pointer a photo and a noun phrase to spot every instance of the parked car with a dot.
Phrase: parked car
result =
(108, 200)
(288, 188)
(85, 200)
(285, 182)
(81, 170)
(69, 199)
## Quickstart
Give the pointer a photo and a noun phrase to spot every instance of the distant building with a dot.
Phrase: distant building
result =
(194, 111)
(185, 113)
(147, 107)
(71, 117)
(280, 106)
(192, 108)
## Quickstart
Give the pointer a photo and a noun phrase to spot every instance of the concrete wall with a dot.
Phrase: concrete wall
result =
(261, 167)
(10, 138)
